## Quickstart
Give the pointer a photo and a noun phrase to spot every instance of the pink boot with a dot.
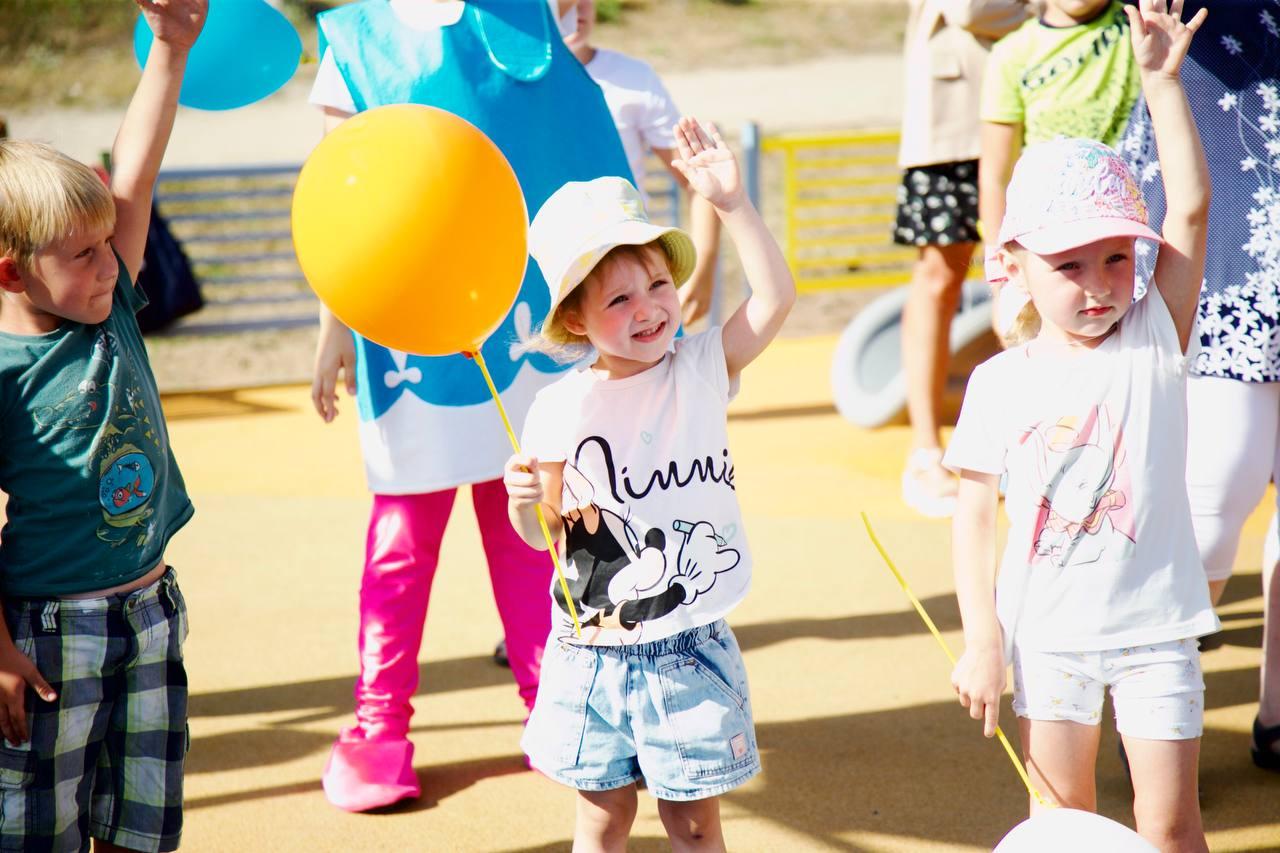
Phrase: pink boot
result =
(371, 763)
(369, 774)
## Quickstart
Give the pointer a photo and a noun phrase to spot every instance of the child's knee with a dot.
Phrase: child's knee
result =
(1173, 831)
(607, 812)
(692, 824)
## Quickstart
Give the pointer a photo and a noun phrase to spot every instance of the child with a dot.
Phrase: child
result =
(1069, 73)
(646, 117)
(628, 459)
(93, 695)
(1101, 584)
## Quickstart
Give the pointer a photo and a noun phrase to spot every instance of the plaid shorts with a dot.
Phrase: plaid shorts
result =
(104, 760)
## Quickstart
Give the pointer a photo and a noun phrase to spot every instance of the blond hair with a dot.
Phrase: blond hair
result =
(556, 341)
(45, 196)
(1027, 324)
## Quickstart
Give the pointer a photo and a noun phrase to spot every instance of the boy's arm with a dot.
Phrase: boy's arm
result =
(979, 676)
(1160, 43)
(704, 227)
(148, 121)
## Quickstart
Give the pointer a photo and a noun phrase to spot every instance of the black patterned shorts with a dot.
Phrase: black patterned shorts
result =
(938, 205)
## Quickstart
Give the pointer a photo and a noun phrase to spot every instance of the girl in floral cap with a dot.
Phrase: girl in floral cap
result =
(1100, 585)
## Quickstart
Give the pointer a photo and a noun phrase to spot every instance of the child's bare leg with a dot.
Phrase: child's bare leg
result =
(604, 820)
(1060, 758)
(693, 826)
(1166, 803)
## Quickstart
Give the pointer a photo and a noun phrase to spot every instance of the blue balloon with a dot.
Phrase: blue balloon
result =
(245, 52)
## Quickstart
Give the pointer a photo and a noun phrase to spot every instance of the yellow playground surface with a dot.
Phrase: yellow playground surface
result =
(864, 746)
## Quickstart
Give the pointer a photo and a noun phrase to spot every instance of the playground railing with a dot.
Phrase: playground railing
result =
(839, 192)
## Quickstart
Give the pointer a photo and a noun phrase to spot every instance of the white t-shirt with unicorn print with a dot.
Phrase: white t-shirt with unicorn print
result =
(1101, 553)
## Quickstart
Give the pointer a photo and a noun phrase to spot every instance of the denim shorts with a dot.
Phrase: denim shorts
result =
(674, 712)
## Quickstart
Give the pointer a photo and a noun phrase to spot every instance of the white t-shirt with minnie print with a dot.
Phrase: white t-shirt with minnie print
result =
(653, 537)
(1101, 553)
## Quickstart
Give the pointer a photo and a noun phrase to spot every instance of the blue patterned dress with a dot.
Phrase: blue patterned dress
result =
(1231, 81)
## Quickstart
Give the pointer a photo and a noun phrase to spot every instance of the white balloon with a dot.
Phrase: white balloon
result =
(1071, 831)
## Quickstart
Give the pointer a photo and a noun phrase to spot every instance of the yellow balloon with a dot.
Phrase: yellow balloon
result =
(410, 226)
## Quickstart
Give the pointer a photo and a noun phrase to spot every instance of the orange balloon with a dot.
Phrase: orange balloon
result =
(410, 225)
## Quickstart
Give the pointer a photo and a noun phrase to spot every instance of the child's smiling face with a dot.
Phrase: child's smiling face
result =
(1080, 293)
(629, 310)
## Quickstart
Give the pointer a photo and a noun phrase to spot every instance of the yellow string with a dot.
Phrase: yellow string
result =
(937, 635)
(542, 521)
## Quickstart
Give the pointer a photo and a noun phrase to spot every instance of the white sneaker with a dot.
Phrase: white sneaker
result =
(927, 487)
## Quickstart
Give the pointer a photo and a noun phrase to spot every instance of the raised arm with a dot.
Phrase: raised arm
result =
(148, 121)
(1160, 43)
(704, 227)
(710, 168)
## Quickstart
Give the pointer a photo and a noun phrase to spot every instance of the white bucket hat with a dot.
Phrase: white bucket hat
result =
(584, 220)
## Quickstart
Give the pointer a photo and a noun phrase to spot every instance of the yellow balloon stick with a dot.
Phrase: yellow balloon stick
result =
(542, 520)
(937, 635)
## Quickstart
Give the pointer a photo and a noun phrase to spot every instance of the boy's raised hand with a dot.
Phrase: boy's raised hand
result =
(175, 22)
(1160, 39)
(707, 164)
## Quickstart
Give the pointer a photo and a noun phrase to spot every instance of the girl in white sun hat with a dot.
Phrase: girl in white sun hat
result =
(1101, 584)
(629, 460)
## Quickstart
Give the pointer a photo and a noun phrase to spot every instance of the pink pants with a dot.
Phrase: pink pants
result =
(402, 553)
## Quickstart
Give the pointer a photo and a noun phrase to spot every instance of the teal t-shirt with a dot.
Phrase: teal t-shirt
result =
(94, 491)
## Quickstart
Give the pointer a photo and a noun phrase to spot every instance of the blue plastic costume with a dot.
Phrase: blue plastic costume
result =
(427, 424)
(503, 68)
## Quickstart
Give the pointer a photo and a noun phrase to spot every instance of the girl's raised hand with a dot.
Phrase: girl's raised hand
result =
(177, 22)
(707, 164)
(1160, 39)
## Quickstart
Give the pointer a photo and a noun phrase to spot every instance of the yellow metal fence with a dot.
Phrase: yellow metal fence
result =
(840, 196)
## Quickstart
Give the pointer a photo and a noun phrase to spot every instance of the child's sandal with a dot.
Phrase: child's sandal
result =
(1265, 739)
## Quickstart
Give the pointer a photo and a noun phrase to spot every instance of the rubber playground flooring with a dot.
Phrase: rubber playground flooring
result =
(863, 744)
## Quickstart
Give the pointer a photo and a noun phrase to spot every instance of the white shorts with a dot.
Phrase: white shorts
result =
(1158, 690)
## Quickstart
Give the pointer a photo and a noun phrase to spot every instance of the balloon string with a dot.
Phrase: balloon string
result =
(542, 520)
(937, 635)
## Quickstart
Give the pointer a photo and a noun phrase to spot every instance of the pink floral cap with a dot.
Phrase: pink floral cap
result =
(1071, 192)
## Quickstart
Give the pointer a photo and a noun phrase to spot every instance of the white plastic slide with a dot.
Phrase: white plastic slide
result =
(866, 373)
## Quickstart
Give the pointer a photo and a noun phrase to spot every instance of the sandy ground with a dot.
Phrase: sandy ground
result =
(864, 747)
